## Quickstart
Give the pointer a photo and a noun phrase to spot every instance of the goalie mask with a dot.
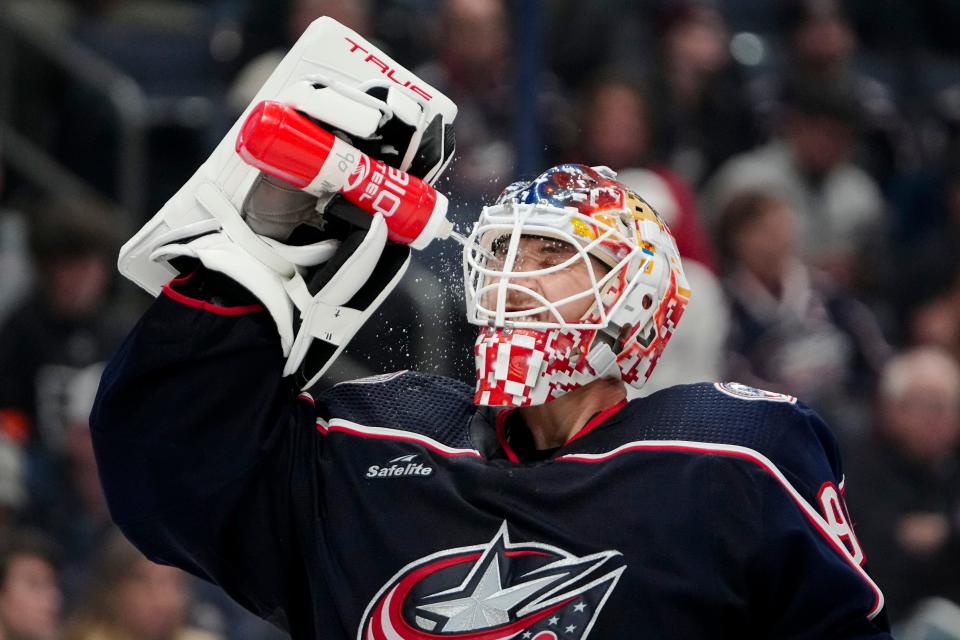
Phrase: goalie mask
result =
(573, 277)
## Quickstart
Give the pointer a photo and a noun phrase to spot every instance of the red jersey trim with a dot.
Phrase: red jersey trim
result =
(501, 429)
(203, 305)
(764, 463)
(592, 423)
(597, 420)
(382, 433)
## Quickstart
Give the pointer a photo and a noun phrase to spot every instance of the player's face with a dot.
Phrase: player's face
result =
(535, 254)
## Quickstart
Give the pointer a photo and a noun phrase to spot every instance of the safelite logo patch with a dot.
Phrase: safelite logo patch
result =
(400, 467)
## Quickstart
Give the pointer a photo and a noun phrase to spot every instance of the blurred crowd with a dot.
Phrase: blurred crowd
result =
(805, 153)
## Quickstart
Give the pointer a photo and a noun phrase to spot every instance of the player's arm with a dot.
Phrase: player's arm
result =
(207, 451)
(198, 439)
(808, 576)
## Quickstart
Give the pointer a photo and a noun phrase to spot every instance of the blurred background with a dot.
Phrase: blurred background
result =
(806, 154)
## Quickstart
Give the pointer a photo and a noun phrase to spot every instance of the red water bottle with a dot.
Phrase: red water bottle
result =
(281, 142)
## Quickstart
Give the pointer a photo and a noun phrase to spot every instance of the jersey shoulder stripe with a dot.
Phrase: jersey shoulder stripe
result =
(347, 427)
(433, 406)
(817, 521)
(780, 427)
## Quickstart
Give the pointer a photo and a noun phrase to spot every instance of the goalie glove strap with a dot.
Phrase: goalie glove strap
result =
(326, 317)
(218, 252)
(332, 315)
(216, 203)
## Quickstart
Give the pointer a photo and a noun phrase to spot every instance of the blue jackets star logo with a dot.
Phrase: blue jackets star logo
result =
(494, 591)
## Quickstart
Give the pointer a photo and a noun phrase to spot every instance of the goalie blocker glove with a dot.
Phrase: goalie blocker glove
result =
(318, 276)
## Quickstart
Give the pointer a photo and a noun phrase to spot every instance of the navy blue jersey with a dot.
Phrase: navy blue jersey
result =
(391, 508)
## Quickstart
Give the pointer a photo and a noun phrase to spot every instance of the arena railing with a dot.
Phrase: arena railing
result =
(122, 94)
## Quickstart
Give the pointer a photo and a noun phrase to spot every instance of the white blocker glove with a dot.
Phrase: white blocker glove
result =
(353, 89)
(250, 227)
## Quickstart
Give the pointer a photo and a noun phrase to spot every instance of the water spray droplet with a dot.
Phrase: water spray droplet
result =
(462, 239)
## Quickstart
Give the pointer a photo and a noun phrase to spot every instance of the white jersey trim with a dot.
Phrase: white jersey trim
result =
(761, 460)
(377, 379)
(383, 433)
